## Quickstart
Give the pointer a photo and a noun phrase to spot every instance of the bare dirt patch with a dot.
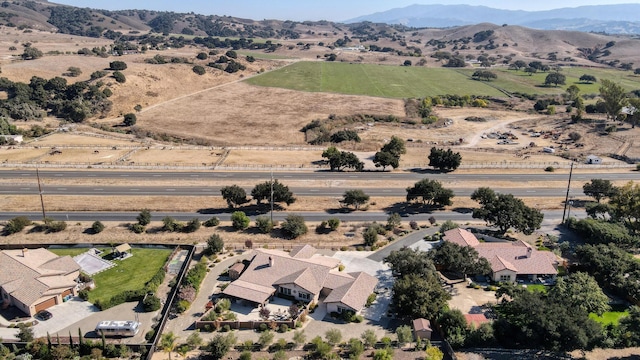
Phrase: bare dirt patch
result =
(13, 154)
(273, 157)
(169, 155)
(82, 156)
(82, 139)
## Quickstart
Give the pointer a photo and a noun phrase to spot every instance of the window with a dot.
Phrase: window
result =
(285, 291)
(305, 296)
(505, 277)
(342, 309)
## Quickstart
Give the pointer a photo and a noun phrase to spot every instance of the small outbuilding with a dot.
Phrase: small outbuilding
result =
(235, 270)
(422, 328)
(594, 160)
(122, 250)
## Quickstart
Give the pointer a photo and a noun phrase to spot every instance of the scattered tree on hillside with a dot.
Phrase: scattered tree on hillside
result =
(588, 79)
(430, 193)
(31, 53)
(555, 78)
(234, 195)
(117, 65)
(355, 198)
(281, 193)
(599, 189)
(444, 159)
(614, 97)
(130, 119)
(484, 75)
(505, 211)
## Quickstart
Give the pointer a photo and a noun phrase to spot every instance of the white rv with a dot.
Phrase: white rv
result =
(118, 328)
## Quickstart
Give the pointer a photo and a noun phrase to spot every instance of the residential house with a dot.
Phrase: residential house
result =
(36, 279)
(510, 260)
(301, 275)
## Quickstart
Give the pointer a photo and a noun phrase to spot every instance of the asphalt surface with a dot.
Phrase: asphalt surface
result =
(310, 175)
(552, 216)
(143, 190)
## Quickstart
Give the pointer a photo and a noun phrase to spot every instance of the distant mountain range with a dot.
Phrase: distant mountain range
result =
(612, 19)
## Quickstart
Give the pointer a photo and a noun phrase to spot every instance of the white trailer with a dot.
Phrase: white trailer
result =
(118, 328)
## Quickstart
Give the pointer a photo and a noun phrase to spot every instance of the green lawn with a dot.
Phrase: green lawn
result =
(405, 82)
(129, 274)
(611, 317)
(537, 287)
(373, 80)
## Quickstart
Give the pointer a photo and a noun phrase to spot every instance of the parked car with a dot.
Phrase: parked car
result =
(44, 315)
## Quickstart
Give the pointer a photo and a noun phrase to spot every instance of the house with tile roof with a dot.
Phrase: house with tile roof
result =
(301, 275)
(509, 260)
(36, 279)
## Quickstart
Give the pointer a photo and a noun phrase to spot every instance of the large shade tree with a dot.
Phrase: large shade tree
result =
(505, 211)
(430, 192)
(614, 97)
(281, 193)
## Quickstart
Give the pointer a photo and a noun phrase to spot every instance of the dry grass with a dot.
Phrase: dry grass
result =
(83, 156)
(272, 157)
(21, 154)
(226, 116)
(169, 155)
(78, 139)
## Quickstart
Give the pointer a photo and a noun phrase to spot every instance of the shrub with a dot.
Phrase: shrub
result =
(130, 119)
(192, 226)
(264, 224)
(240, 220)
(151, 303)
(149, 335)
(199, 69)
(294, 226)
(97, 227)
(117, 65)
(549, 169)
(215, 244)
(370, 299)
(137, 228)
(283, 328)
(144, 218)
(119, 77)
(214, 221)
(84, 294)
(16, 225)
(333, 223)
(182, 306)
(195, 275)
(170, 224)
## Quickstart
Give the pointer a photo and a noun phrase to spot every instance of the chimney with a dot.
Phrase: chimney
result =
(270, 261)
(24, 252)
(529, 251)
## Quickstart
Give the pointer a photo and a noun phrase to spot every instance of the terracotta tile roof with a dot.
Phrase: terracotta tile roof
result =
(354, 294)
(461, 237)
(27, 276)
(475, 320)
(421, 324)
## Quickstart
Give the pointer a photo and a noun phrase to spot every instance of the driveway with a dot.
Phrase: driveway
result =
(408, 241)
(355, 261)
(64, 315)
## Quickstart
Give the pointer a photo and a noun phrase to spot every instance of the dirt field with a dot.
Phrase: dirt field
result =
(169, 155)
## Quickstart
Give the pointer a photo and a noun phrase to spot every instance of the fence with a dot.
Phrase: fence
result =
(243, 325)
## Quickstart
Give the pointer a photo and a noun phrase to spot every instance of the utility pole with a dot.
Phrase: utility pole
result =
(566, 199)
(44, 215)
(271, 201)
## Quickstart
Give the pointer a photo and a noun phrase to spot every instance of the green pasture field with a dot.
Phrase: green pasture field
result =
(129, 274)
(373, 80)
(415, 82)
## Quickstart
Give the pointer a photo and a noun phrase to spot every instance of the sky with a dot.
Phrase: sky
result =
(300, 10)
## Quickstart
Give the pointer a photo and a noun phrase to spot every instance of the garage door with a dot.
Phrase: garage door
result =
(67, 292)
(46, 304)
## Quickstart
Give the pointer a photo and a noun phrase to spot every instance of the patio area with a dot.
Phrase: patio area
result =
(279, 308)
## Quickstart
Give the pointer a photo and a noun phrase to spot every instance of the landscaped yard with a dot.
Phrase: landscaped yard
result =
(130, 274)
(537, 287)
(74, 251)
(611, 317)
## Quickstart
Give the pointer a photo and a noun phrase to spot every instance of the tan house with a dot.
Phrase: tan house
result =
(36, 279)
(510, 260)
(301, 275)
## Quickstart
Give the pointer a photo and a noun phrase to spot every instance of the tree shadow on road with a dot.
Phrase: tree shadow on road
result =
(249, 210)
(405, 209)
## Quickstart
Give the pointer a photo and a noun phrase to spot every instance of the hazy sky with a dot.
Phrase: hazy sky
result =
(334, 10)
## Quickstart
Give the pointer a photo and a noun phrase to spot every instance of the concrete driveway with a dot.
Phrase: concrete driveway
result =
(360, 261)
(65, 315)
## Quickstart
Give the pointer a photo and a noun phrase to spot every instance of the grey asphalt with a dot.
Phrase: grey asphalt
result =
(144, 190)
(552, 216)
(309, 175)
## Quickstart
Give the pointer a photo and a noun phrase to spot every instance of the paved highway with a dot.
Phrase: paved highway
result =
(307, 175)
(215, 191)
(551, 216)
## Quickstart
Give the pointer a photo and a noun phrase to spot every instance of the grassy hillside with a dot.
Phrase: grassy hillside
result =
(404, 82)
